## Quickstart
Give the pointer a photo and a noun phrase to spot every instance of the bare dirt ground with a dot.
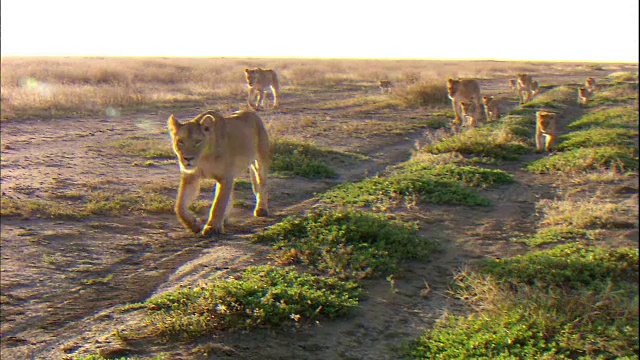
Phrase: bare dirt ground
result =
(62, 281)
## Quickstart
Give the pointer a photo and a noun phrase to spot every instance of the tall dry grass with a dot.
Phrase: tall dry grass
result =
(66, 86)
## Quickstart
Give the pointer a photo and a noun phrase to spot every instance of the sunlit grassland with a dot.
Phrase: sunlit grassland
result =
(572, 301)
(64, 87)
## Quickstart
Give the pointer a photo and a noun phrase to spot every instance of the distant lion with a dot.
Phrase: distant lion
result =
(535, 88)
(545, 129)
(590, 84)
(524, 88)
(258, 82)
(494, 107)
(583, 95)
(463, 90)
(513, 83)
(385, 86)
(211, 146)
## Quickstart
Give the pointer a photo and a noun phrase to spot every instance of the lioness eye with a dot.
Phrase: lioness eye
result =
(180, 142)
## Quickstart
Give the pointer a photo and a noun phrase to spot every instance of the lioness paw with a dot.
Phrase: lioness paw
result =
(261, 212)
(212, 230)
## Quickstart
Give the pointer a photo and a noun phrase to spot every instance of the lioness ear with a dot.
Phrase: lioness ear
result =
(173, 125)
(206, 123)
(246, 70)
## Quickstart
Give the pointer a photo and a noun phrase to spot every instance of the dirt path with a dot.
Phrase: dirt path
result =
(62, 280)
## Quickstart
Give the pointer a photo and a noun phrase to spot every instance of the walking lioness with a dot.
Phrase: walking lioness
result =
(463, 90)
(258, 82)
(211, 146)
(524, 87)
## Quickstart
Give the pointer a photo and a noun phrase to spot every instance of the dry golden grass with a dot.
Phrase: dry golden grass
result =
(61, 87)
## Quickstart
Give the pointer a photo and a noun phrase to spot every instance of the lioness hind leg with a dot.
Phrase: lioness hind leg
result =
(259, 184)
(274, 92)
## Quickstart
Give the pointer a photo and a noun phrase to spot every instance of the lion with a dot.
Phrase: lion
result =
(590, 84)
(463, 90)
(524, 88)
(583, 95)
(212, 146)
(470, 112)
(512, 83)
(535, 88)
(494, 107)
(545, 128)
(258, 82)
(385, 86)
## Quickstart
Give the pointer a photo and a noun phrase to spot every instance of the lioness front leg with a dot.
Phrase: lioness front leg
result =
(215, 224)
(456, 110)
(187, 192)
(259, 185)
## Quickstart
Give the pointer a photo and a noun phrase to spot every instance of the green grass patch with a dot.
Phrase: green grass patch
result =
(597, 137)
(292, 158)
(489, 141)
(554, 234)
(346, 244)
(573, 265)
(615, 117)
(585, 159)
(555, 99)
(569, 302)
(261, 296)
(415, 182)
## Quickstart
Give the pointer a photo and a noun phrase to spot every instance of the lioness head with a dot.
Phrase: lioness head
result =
(251, 75)
(486, 100)
(545, 119)
(191, 139)
(452, 87)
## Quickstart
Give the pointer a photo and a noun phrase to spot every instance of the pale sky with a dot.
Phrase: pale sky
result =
(582, 30)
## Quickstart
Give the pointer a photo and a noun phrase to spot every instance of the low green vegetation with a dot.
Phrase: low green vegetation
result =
(429, 94)
(569, 302)
(346, 244)
(554, 99)
(585, 159)
(615, 117)
(146, 148)
(292, 158)
(499, 142)
(597, 137)
(261, 296)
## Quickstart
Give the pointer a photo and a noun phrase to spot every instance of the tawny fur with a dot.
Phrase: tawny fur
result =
(584, 95)
(590, 84)
(513, 83)
(463, 90)
(385, 86)
(494, 107)
(545, 130)
(470, 113)
(524, 88)
(258, 82)
(211, 146)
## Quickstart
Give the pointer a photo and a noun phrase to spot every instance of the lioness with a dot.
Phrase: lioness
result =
(524, 87)
(258, 82)
(211, 146)
(463, 90)
(545, 127)
(494, 107)
(384, 85)
(590, 84)
(583, 95)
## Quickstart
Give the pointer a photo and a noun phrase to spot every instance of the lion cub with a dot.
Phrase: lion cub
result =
(385, 86)
(513, 83)
(212, 146)
(463, 90)
(470, 113)
(535, 88)
(545, 129)
(583, 95)
(494, 107)
(590, 84)
(524, 87)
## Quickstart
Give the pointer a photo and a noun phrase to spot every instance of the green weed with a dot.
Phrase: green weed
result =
(298, 159)
(346, 244)
(262, 296)
(586, 159)
(597, 137)
(615, 117)
(488, 141)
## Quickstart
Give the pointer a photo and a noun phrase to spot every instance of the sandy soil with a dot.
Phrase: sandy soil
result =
(62, 281)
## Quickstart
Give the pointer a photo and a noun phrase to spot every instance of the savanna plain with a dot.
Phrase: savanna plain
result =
(390, 235)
